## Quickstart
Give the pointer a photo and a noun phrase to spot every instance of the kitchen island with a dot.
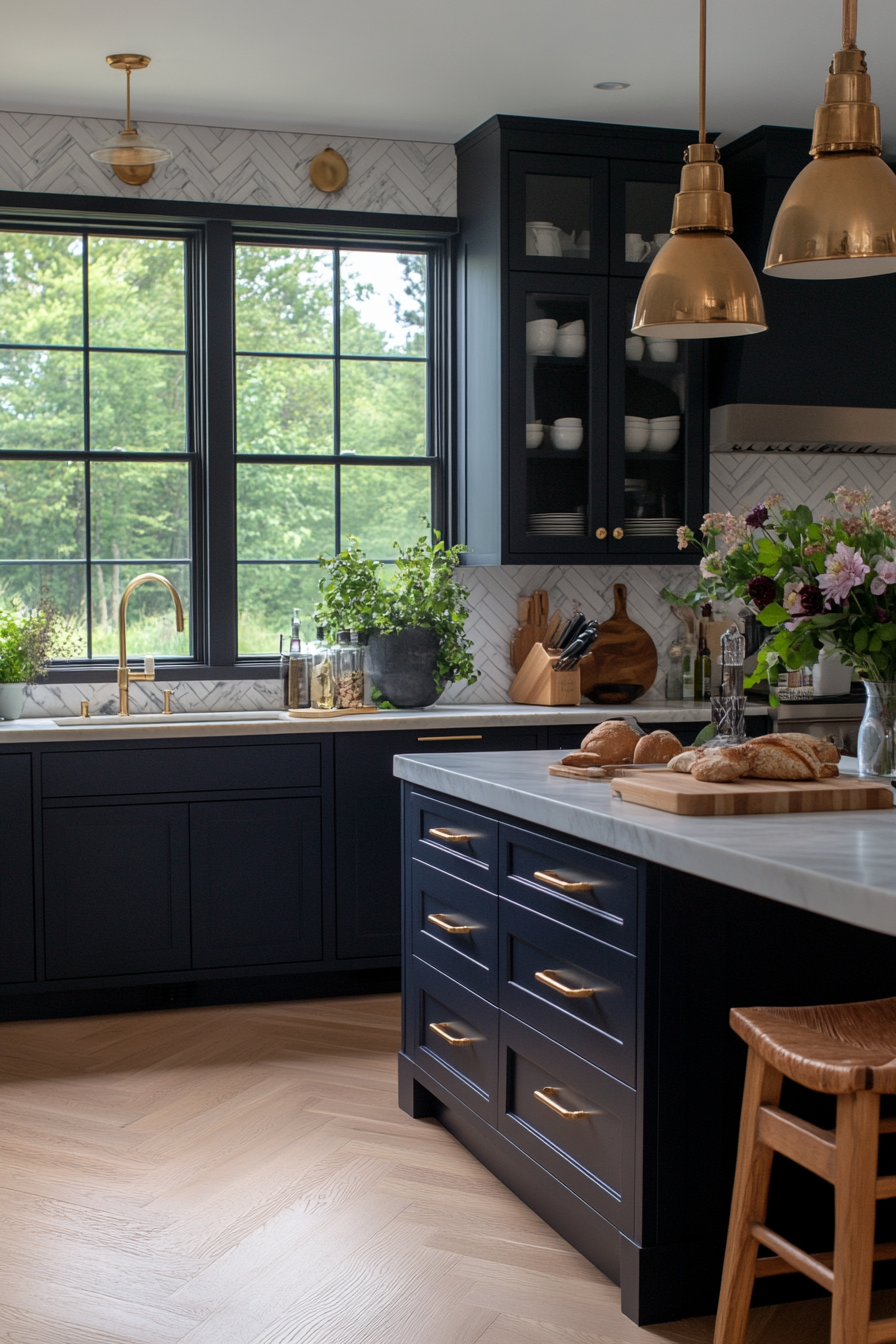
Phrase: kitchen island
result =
(566, 1010)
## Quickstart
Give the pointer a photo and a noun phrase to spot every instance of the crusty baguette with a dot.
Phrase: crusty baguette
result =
(684, 763)
(824, 750)
(723, 765)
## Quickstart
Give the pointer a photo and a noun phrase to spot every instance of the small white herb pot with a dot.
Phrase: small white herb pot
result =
(12, 699)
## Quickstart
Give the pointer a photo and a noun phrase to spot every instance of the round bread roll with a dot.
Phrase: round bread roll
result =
(657, 748)
(613, 741)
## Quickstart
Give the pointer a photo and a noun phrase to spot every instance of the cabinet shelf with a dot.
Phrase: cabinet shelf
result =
(643, 455)
(557, 454)
(559, 361)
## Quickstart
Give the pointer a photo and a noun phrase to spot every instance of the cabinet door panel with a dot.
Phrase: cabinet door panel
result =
(368, 827)
(256, 882)
(116, 890)
(558, 213)
(16, 871)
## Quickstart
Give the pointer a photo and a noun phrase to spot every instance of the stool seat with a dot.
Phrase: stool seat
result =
(836, 1048)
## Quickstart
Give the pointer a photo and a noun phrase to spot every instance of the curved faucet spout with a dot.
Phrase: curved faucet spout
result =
(125, 677)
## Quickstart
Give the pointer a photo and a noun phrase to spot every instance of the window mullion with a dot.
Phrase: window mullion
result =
(220, 463)
(337, 399)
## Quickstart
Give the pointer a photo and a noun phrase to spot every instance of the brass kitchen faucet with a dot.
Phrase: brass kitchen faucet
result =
(125, 676)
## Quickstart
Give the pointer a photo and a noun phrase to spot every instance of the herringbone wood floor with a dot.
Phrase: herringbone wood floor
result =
(244, 1176)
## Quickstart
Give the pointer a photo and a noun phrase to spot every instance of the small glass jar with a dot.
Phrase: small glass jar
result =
(349, 660)
(323, 678)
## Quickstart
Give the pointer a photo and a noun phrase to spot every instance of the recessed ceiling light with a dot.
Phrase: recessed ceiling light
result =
(612, 84)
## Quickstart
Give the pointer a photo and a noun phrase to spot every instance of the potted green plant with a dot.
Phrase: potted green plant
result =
(413, 618)
(29, 637)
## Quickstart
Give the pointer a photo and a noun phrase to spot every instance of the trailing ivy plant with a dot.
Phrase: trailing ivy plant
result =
(359, 594)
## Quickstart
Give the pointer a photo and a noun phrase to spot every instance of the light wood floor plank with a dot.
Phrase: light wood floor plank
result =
(243, 1175)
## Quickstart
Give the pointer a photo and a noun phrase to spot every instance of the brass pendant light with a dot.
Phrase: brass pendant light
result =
(132, 154)
(700, 283)
(838, 220)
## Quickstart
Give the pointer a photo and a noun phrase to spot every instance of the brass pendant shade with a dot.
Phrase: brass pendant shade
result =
(700, 284)
(838, 220)
(132, 154)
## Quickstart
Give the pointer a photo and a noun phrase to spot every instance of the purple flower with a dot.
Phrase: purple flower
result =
(882, 614)
(762, 591)
(812, 599)
(884, 573)
(757, 516)
(844, 570)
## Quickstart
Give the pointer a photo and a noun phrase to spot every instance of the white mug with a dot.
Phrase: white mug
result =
(636, 248)
(542, 239)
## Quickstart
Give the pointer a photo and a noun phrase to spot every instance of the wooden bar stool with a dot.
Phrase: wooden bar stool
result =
(847, 1050)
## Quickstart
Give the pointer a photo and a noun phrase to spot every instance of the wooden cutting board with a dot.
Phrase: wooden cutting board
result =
(624, 654)
(532, 612)
(689, 797)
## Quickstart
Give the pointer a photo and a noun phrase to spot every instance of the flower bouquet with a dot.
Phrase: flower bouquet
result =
(827, 584)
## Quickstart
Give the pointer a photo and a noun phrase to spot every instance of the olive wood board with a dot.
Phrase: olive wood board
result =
(331, 713)
(596, 771)
(689, 797)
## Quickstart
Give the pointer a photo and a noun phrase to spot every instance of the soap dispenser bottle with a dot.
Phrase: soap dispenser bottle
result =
(298, 669)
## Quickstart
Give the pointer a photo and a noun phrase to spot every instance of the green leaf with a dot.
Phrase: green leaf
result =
(860, 641)
(706, 733)
(875, 643)
(769, 551)
(773, 614)
(803, 516)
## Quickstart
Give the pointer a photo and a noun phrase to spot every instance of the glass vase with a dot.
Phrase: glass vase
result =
(877, 732)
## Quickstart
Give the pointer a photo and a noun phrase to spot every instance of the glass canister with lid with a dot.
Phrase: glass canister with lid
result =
(323, 672)
(349, 664)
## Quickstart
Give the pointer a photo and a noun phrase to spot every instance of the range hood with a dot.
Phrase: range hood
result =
(754, 427)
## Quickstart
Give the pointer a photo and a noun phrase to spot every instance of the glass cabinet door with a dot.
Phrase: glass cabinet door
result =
(641, 214)
(557, 213)
(656, 433)
(556, 423)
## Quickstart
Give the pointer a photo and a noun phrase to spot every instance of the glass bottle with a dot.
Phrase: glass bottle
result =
(689, 666)
(674, 689)
(322, 672)
(296, 669)
(703, 668)
(349, 659)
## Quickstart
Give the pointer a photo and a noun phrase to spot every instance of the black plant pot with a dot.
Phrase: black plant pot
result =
(402, 667)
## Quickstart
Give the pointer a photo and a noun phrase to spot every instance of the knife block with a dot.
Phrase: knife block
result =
(539, 683)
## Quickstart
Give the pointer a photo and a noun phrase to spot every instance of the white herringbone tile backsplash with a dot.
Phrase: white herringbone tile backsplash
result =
(737, 481)
(39, 152)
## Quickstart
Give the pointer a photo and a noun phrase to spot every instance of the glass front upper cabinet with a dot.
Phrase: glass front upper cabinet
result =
(655, 432)
(558, 213)
(643, 196)
(558, 413)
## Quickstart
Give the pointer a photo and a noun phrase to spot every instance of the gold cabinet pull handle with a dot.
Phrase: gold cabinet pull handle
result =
(453, 737)
(554, 881)
(618, 533)
(454, 837)
(442, 922)
(547, 1095)
(601, 533)
(550, 978)
(441, 1029)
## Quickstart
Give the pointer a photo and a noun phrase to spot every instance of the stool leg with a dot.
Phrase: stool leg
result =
(858, 1117)
(749, 1201)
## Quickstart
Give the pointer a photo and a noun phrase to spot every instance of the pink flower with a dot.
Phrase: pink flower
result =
(711, 565)
(773, 501)
(684, 535)
(793, 604)
(845, 569)
(853, 526)
(884, 573)
(851, 499)
(883, 517)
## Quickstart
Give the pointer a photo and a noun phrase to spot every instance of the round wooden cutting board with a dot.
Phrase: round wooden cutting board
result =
(622, 664)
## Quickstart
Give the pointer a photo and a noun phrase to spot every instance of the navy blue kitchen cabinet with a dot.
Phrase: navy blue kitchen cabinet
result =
(16, 870)
(368, 843)
(255, 881)
(565, 1017)
(116, 890)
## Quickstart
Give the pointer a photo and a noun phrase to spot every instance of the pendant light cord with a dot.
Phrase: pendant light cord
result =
(850, 24)
(127, 124)
(703, 64)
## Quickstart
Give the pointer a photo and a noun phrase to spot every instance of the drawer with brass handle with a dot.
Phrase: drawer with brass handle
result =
(579, 887)
(575, 1121)
(577, 990)
(453, 1035)
(453, 839)
(454, 927)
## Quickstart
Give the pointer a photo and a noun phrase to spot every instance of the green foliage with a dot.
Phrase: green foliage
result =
(422, 591)
(29, 638)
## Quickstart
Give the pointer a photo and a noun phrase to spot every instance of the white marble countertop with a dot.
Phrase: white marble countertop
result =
(837, 864)
(264, 722)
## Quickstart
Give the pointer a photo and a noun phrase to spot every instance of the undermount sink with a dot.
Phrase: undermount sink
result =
(199, 716)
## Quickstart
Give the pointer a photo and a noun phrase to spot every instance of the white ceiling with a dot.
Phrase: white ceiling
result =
(428, 70)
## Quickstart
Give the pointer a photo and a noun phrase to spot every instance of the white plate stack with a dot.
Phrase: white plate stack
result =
(652, 527)
(556, 524)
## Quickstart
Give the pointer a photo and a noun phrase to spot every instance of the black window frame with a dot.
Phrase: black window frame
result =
(213, 231)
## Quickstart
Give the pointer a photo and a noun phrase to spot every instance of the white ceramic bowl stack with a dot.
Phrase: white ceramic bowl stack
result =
(634, 347)
(661, 350)
(534, 435)
(541, 336)
(663, 433)
(567, 433)
(637, 433)
(570, 342)
(557, 524)
(652, 527)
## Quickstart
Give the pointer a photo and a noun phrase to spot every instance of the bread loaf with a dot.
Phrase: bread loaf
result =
(657, 748)
(723, 765)
(786, 756)
(614, 741)
(684, 763)
(582, 760)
